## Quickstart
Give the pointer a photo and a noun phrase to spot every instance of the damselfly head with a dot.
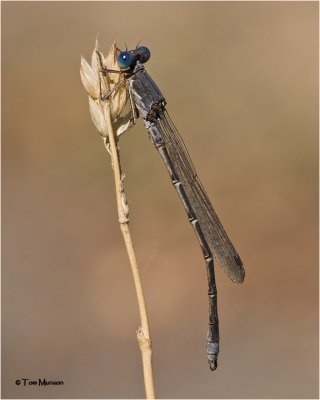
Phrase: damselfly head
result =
(128, 59)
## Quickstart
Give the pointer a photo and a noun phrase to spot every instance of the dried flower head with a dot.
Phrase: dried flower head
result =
(98, 84)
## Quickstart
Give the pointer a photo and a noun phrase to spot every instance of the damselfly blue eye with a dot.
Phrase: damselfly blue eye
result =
(143, 53)
(125, 60)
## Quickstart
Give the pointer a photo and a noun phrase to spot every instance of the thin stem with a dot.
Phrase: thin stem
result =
(143, 333)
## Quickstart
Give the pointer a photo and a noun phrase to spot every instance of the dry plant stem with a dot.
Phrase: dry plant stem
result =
(143, 334)
(106, 114)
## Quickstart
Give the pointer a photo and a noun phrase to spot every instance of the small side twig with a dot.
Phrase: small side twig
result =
(102, 112)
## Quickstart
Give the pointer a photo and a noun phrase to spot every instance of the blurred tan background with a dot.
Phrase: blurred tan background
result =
(241, 81)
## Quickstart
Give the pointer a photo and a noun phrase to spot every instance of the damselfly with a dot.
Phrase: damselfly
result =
(148, 102)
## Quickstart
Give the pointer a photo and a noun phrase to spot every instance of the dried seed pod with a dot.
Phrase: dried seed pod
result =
(98, 117)
(99, 83)
(90, 79)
